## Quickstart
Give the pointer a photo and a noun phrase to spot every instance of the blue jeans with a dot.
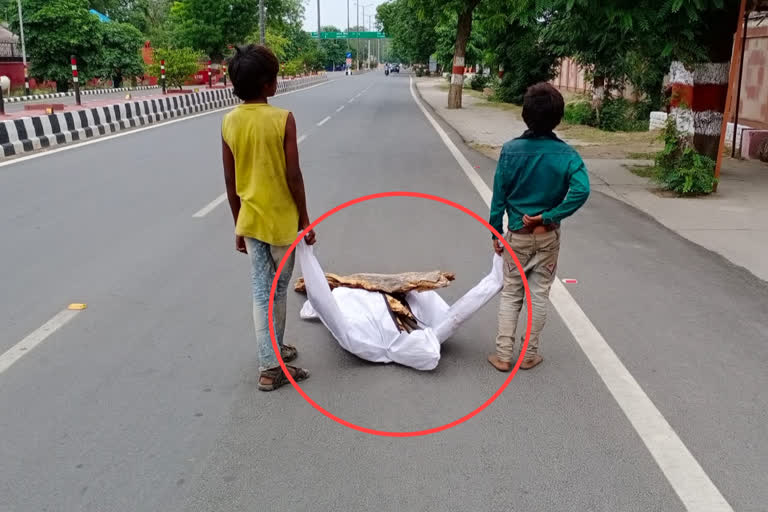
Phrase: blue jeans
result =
(264, 261)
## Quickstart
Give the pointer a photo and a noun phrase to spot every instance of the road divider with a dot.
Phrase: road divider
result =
(84, 92)
(30, 134)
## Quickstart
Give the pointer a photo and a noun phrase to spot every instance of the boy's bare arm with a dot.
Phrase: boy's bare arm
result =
(228, 161)
(293, 175)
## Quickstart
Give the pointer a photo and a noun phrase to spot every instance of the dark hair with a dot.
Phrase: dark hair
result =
(543, 107)
(252, 68)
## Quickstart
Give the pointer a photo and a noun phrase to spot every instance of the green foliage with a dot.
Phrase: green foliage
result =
(120, 52)
(56, 29)
(479, 82)
(621, 115)
(411, 24)
(525, 58)
(294, 67)
(274, 41)
(614, 115)
(446, 42)
(334, 50)
(680, 168)
(211, 25)
(579, 112)
(180, 64)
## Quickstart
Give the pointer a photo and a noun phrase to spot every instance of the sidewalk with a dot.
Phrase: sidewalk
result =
(730, 222)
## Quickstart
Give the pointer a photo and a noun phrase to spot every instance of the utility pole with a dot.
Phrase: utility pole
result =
(262, 23)
(358, 36)
(23, 50)
(319, 35)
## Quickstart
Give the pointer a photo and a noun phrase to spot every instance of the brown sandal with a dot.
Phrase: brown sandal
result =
(289, 353)
(279, 379)
(527, 364)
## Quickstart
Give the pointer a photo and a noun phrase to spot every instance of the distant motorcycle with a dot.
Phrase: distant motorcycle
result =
(386, 72)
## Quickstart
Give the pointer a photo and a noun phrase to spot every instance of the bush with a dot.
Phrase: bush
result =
(621, 115)
(579, 112)
(680, 168)
(180, 64)
(294, 67)
(527, 60)
(479, 82)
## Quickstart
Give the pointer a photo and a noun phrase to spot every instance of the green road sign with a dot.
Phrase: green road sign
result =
(350, 35)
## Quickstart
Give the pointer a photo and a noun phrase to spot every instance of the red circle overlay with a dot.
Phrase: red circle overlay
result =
(413, 433)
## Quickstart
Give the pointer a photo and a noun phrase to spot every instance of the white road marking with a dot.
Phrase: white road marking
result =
(36, 337)
(137, 130)
(474, 178)
(351, 100)
(340, 108)
(205, 210)
(325, 120)
(300, 139)
(686, 476)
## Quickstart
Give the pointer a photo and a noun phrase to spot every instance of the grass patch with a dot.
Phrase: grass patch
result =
(595, 135)
(510, 107)
(644, 171)
(641, 156)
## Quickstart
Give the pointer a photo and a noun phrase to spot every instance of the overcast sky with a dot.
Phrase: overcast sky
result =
(334, 12)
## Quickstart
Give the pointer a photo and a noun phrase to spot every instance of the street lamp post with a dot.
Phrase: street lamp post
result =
(318, 22)
(23, 50)
(358, 34)
(349, 71)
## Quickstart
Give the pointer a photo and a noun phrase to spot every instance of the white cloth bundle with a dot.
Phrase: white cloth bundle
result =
(361, 322)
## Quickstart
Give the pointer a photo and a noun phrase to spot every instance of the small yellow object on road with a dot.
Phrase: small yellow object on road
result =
(76, 306)
(127, 96)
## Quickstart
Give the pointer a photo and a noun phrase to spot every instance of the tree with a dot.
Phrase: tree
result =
(120, 52)
(411, 28)
(180, 64)
(211, 25)
(134, 12)
(55, 30)
(464, 9)
(616, 39)
(335, 49)
(518, 47)
(412, 24)
(275, 42)
(446, 39)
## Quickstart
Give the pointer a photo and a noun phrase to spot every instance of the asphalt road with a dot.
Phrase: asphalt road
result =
(147, 400)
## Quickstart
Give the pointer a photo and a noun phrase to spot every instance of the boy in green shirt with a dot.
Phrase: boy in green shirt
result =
(540, 180)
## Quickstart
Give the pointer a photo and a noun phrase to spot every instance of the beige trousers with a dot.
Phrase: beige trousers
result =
(538, 257)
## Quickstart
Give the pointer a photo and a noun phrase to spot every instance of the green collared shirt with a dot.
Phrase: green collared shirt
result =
(537, 174)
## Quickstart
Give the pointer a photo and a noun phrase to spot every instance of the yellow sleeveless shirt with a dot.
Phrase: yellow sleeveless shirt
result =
(255, 133)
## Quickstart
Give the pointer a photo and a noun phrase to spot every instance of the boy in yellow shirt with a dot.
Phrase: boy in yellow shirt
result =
(265, 189)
